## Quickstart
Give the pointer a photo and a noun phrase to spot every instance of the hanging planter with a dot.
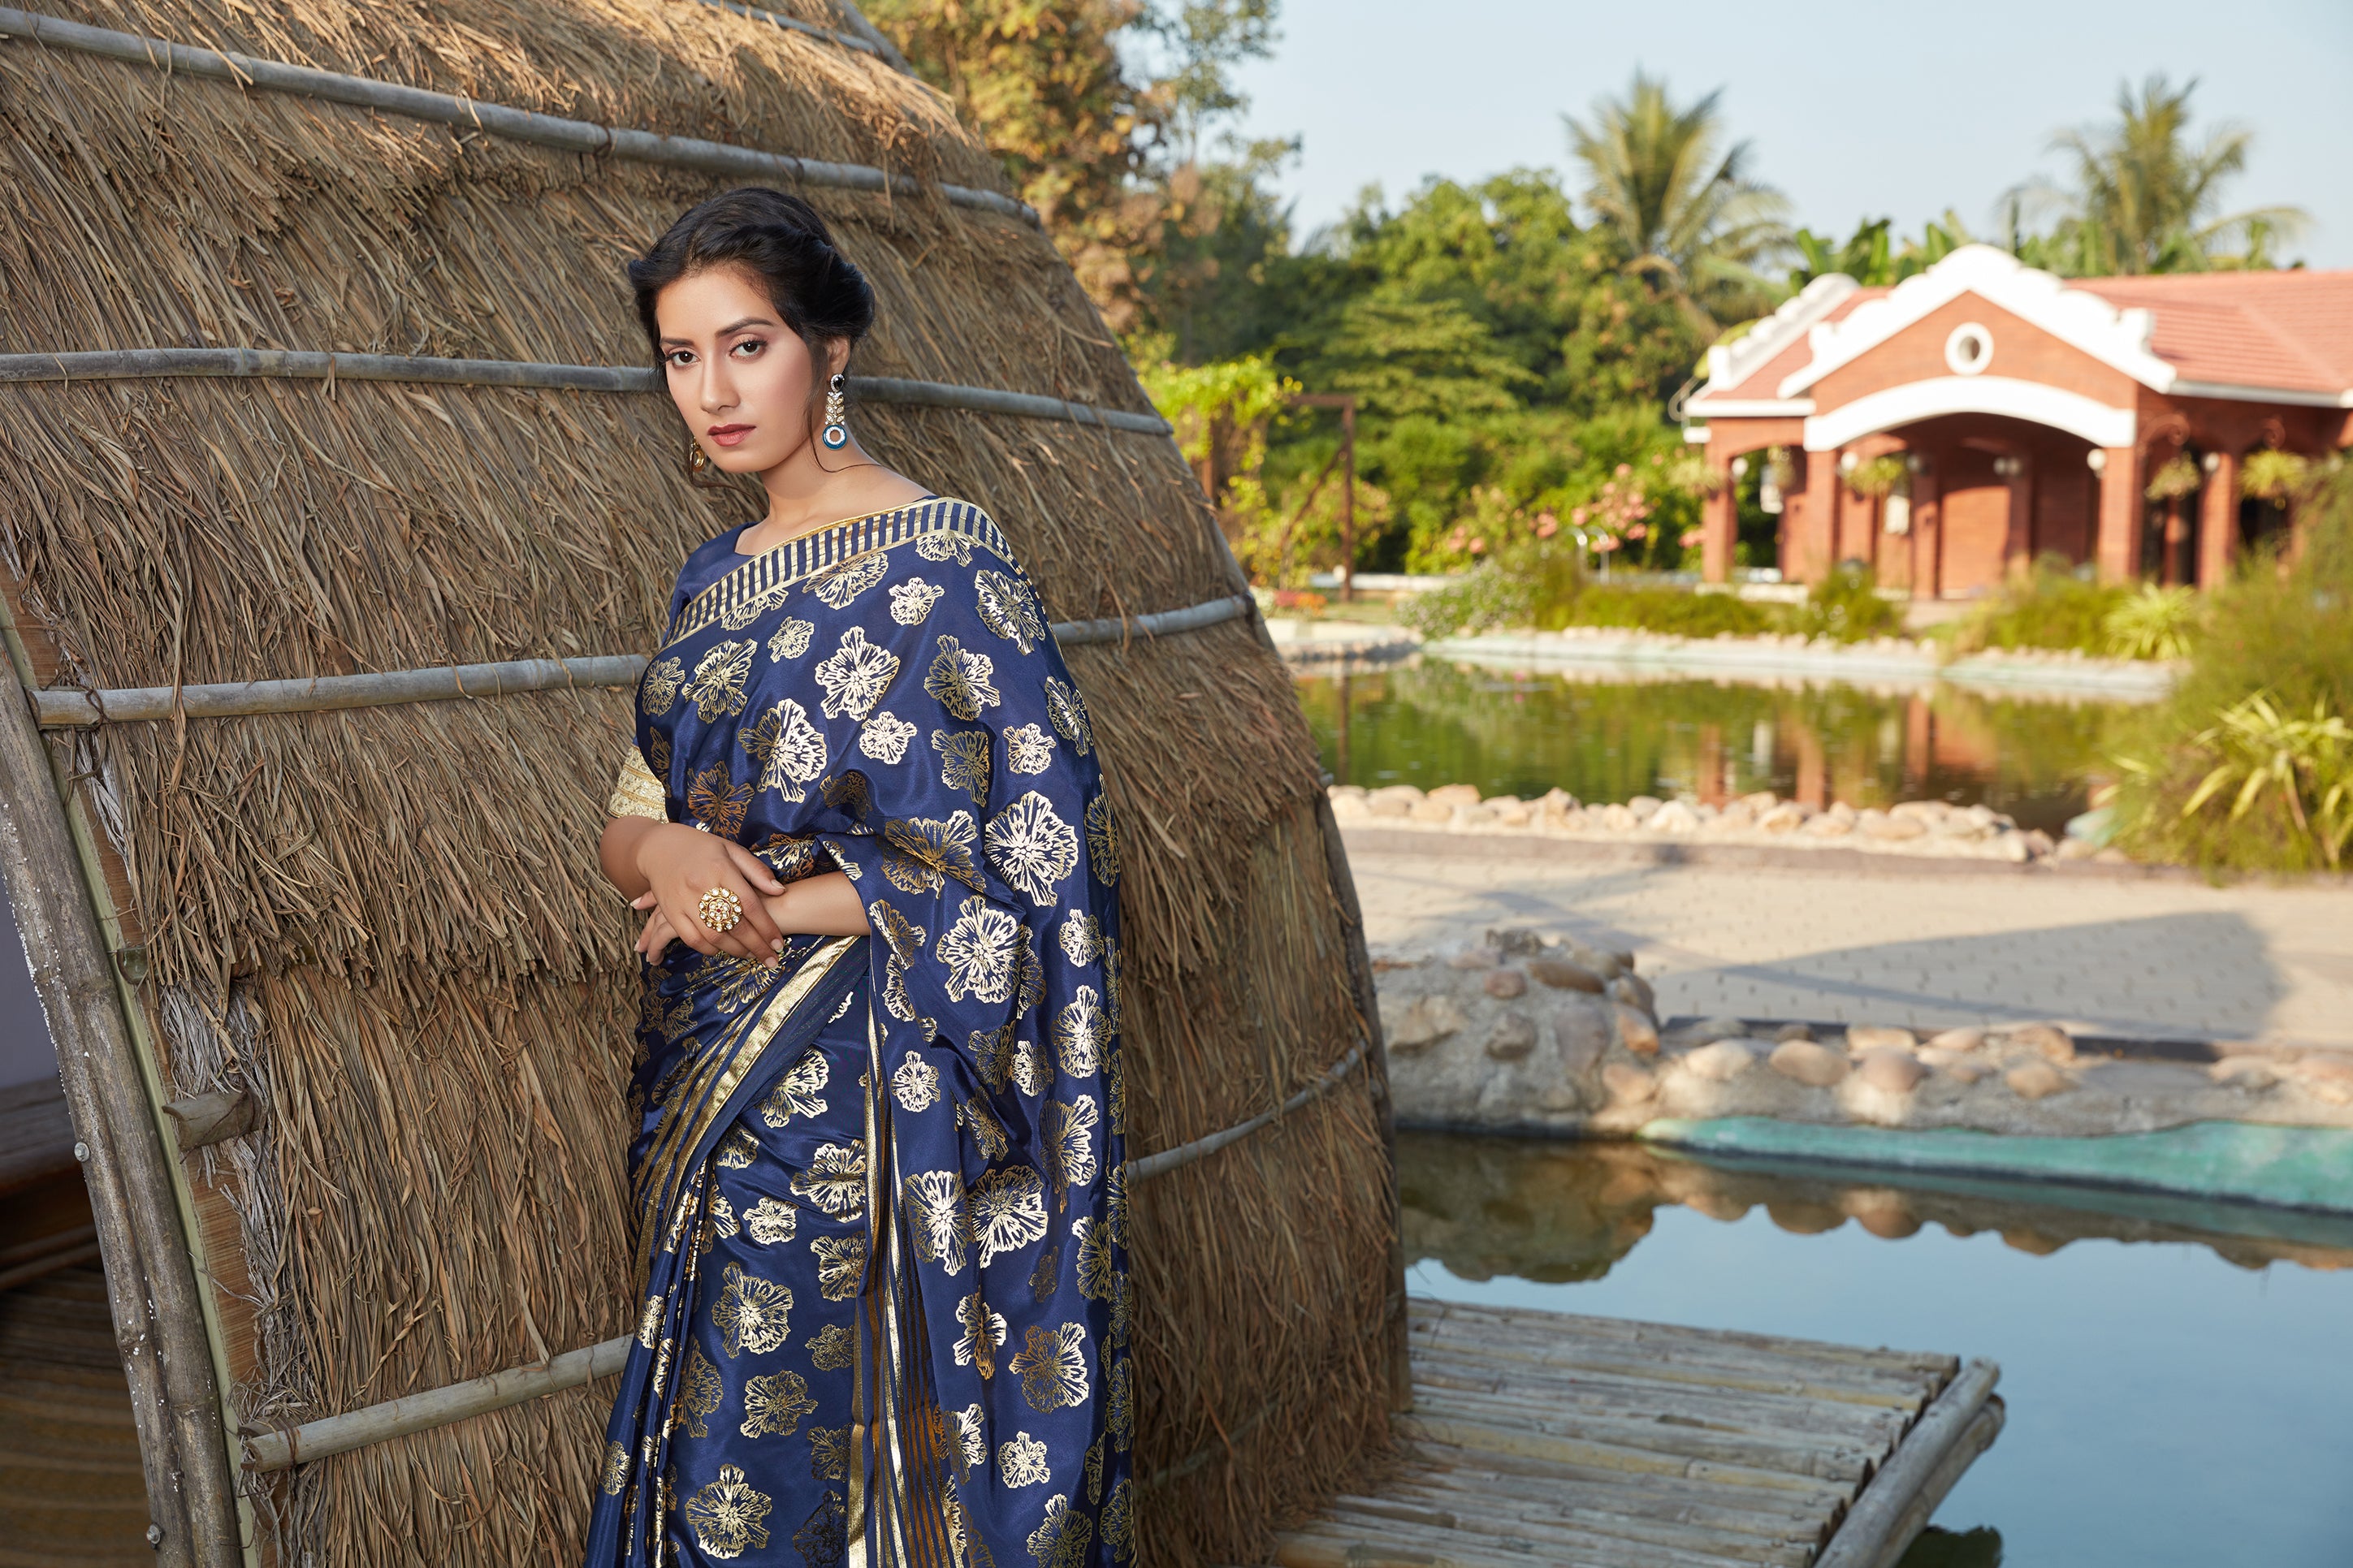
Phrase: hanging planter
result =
(2178, 477)
(2273, 476)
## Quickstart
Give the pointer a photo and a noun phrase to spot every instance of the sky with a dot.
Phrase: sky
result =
(1854, 111)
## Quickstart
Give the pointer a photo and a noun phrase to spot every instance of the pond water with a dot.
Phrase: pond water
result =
(2179, 1397)
(1606, 737)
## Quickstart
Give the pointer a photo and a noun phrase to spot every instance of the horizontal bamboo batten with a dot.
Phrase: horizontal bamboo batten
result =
(70, 708)
(496, 119)
(307, 364)
(269, 1451)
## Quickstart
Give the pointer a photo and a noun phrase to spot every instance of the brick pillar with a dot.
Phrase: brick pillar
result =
(1815, 548)
(2217, 521)
(2018, 543)
(2118, 550)
(1719, 523)
(1928, 531)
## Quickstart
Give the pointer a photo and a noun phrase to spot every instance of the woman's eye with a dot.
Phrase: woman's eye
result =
(748, 347)
(680, 357)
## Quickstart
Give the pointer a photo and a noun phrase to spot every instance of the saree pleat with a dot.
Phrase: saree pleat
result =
(881, 697)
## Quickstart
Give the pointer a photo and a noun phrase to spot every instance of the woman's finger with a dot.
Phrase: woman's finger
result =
(645, 900)
(755, 870)
(757, 926)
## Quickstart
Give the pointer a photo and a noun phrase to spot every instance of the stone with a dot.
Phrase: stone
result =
(1515, 941)
(1920, 810)
(2074, 849)
(1404, 792)
(1476, 816)
(1627, 1084)
(1895, 829)
(1635, 991)
(1583, 1036)
(1515, 815)
(1894, 1072)
(1504, 985)
(1759, 803)
(1349, 808)
(1816, 1066)
(1861, 1037)
(2036, 1081)
(1673, 818)
(2046, 1041)
(1512, 1037)
(1559, 1097)
(1562, 975)
(1476, 958)
(1642, 806)
(1455, 795)
(1828, 826)
(1617, 819)
(1388, 805)
(1637, 1032)
(1351, 792)
(1966, 1071)
(1793, 1032)
(1431, 811)
(1786, 817)
(1733, 818)
(2327, 1077)
(1721, 1062)
(1967, 1038)
(1606, 963)
(1425, 1022)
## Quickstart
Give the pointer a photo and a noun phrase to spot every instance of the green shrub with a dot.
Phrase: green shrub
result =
(1675, 611)
(1845, 606)
(2154, 623)
(2270, 681)
(2049, 607)
(1482, 598)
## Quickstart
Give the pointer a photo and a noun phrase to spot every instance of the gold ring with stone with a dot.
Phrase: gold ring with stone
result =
(721, 909)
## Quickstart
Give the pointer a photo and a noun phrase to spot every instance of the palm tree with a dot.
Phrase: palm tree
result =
(1682, 202)
(2143, 199)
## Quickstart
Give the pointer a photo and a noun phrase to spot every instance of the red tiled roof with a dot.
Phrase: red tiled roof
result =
(2293, 330)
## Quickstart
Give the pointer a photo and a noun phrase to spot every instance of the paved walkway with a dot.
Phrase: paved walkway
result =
(2153, 959)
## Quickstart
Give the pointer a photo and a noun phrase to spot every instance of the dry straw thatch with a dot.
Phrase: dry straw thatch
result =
(386, 923)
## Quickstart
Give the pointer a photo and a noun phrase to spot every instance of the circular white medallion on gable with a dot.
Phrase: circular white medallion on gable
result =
(1969, 349)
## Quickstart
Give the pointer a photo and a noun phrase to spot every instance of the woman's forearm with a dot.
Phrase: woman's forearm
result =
(825, 905)
(616, 852)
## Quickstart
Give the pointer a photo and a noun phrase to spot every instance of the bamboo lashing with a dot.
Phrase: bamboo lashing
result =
(307, 364)
(496, 119)
(329, 1434)
(1885, 1516)
(67, 707)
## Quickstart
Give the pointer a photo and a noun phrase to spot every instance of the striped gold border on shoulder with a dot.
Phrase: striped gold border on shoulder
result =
(768, 576)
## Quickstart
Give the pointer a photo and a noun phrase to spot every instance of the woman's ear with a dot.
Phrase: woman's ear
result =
(836, 357)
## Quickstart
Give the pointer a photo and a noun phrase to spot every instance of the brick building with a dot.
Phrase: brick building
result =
(2030, 413)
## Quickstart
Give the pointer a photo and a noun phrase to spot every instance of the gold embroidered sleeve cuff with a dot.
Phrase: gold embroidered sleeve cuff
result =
(636, 792)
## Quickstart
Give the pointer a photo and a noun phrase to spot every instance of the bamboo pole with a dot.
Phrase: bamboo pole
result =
(311, 364)
(1887, 1514)
(497, 119)
(150, 1284)
(68, 706)
(438, 1407)
(1167, 1159)
(873, 34)
(795, 25)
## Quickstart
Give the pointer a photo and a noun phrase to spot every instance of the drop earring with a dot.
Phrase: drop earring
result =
(836, 434)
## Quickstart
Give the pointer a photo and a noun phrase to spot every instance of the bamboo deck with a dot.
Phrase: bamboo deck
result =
(1539, 1437)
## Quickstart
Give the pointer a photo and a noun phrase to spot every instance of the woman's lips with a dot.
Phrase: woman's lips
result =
(729, 435)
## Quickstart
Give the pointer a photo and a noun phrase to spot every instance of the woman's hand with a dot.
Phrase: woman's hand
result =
(677, 865)
(824, 905)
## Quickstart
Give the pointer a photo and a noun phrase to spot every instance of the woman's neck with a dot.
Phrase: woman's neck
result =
(804, 496)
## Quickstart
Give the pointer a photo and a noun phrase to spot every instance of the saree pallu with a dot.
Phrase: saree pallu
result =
(879, 1214)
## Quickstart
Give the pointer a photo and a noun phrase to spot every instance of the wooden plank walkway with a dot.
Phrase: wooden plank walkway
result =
(1540, 1437)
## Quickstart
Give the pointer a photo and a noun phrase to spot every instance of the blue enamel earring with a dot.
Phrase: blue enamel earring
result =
(835, 435)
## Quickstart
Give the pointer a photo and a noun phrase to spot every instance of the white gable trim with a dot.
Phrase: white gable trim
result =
(1728, 365)
(2116, 338)
(1700, 407)
(2072, 412)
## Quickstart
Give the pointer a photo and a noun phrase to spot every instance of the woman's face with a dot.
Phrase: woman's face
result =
(741, 378)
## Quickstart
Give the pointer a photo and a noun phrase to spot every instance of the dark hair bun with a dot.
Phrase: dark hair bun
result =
(819, 292)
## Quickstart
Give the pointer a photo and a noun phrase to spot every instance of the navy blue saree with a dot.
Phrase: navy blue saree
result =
(877, 1205)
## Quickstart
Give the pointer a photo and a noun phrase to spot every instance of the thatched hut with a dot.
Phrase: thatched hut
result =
(296, 309)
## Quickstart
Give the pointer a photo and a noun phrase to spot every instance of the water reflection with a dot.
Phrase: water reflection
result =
(1609, 736)
(1559, 1212)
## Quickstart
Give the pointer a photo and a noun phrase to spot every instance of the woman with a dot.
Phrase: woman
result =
(876, 1181)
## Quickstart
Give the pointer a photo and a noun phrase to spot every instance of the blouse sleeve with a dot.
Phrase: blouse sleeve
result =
(965, 803)
(636, 791)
